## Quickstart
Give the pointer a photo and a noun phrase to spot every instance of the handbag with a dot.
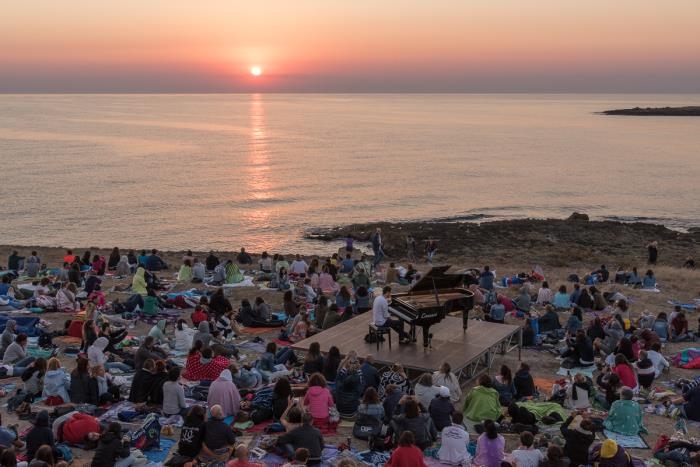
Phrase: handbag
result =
(333, 415)
(366, 426)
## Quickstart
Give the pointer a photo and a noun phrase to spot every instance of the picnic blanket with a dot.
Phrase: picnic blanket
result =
(685, 356)
(627, 441)
(544, 384)
(685, 306)
(159, 455)
(542, 409)
(25, 324)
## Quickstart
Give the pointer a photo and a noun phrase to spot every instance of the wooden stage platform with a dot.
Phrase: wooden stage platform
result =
(468, 353)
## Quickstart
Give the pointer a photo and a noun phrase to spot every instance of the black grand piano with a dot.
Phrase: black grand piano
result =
(430, 299)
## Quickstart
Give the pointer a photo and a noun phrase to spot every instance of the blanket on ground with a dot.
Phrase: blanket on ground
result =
(542, 409)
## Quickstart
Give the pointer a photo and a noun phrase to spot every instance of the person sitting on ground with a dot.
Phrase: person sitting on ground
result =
(609, 454)
(395, 375)
(579, 438)
(147, 350)
(16, 353)
(555, 457)
(625, 416)
(526, 455)
(300, 433)
(503, 383)
(549, 321)
(183, 336)
(679, 329)
(407, 454)
(444, 377)
(80, 383)
(331, 363)
(414, 420)
(455, 440)
(392, 274)
(660, 363)
(56, 383)
(158, 333)
(332, 317)
(33, 379)
(490, 446)
(625, 371)
(8, 334)
(579, 393)
(661, 327)
(649, 280)
(544, 294)
(580, 350)
(154, 262)
(523, 382)
(65, 298)
(263, 315)
(40, 434)
(185, 272)
(645, 370)
(113, 335)
(482, 401)
(370, 375)
(318, 400)
(143, 382)
(561, 299)
(241, 459)
(575, 321)
(113, 449)
(425, 390)
(313, 362)
(268, 363)
(441, 409)
(218, 438)
(192, 433)
(613, 333)
(243, 257)
(347, 395)
(370, 404)
(224, 393)
(174, 394)
(599, 302)
(103, 390)
(610, 383)
(523, 301)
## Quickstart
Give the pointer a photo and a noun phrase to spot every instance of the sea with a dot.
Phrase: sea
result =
(224, 171)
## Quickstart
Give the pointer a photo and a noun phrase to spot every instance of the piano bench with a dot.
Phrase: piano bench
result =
(377, 332)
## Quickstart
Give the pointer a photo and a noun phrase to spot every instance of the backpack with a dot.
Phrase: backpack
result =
(64, 452)
(366, 426)
(148, 436)
(45, 340)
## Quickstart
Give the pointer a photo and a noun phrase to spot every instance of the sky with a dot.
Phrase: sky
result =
(350, 46)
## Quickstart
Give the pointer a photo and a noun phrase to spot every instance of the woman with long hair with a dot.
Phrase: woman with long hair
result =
(444, 377)
(503, 383)
(490, 446)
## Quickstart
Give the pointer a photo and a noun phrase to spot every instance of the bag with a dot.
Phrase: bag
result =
(64, 453)
(333, 415)
(45, 340)
(366, 426)
(148, 436)
(380, 443)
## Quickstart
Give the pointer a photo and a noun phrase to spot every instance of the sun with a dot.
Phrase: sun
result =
(256, 71)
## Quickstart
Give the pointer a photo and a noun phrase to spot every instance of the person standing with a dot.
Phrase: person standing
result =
(410, 248)
(381, 317)
(377, 247)
(653, 249)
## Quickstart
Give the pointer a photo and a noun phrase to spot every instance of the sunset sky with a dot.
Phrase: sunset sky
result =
(350, 46)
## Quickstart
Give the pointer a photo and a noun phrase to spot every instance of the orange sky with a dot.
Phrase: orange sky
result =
(344, 45)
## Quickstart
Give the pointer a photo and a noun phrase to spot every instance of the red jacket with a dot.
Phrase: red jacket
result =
(406, 456)
(198, 316)
(75, 429)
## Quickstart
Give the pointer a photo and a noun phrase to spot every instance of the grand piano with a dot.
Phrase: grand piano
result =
(430, 299)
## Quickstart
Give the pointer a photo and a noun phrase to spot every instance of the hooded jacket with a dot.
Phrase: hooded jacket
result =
(578, 441)
(225, 393)
(203, 334)
(138, 283)
(39, 435)
(183, 338)
(56, 383)
(96, 352)
(123, 266)
(8, 335)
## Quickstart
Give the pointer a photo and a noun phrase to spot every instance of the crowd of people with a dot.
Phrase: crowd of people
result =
(394, 411)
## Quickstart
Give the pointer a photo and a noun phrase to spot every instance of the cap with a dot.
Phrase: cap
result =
(608, 449)
(444, 392)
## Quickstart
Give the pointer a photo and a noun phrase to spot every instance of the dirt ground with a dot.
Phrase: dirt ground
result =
(675, 284)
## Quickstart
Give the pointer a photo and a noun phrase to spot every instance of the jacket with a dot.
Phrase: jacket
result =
(482, 403)
(109, 450)
(56, 383)
(158, 332)
(96, 352)
(138, 283)
(203, 334)
(14, 353)
(8, 335)
(39, 435)
(80, 388)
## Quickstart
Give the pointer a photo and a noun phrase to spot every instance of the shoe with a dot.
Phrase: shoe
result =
(405, 340)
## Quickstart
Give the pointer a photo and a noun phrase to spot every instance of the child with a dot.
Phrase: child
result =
(526, 455)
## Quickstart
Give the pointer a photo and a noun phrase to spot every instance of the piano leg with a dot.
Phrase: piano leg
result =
(427, 337)
(412, 333)
(465, 319)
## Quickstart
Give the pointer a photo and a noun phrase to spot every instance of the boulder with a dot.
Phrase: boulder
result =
(578, 216)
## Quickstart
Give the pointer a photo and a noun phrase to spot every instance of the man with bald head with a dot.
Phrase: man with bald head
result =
(219, 439)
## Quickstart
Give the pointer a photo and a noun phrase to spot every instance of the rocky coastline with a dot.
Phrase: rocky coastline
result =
(687, 111)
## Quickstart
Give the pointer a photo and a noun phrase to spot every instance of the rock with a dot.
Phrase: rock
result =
(578, 216)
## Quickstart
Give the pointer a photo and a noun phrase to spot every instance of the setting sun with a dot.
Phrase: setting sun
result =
(256, 71)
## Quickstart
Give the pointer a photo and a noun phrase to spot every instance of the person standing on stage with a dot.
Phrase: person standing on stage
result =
(381, 317)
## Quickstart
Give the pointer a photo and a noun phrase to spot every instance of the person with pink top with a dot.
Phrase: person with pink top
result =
(318, 400)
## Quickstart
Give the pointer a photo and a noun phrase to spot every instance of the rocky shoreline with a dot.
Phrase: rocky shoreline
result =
(688, 111)
(569, 242)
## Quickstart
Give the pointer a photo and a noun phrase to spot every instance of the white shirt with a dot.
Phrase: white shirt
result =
(454, 446)
(380, 310)
(299, 267)
(658, 360)
(527, 457)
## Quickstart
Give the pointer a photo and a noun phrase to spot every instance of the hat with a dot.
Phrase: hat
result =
(444, 392)
(608, 449)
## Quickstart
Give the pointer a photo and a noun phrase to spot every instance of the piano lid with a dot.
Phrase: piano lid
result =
(437, 278)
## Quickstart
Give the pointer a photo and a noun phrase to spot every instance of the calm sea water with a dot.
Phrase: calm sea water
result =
(224, 171)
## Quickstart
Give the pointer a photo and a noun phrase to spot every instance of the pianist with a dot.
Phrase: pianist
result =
(381, 317)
